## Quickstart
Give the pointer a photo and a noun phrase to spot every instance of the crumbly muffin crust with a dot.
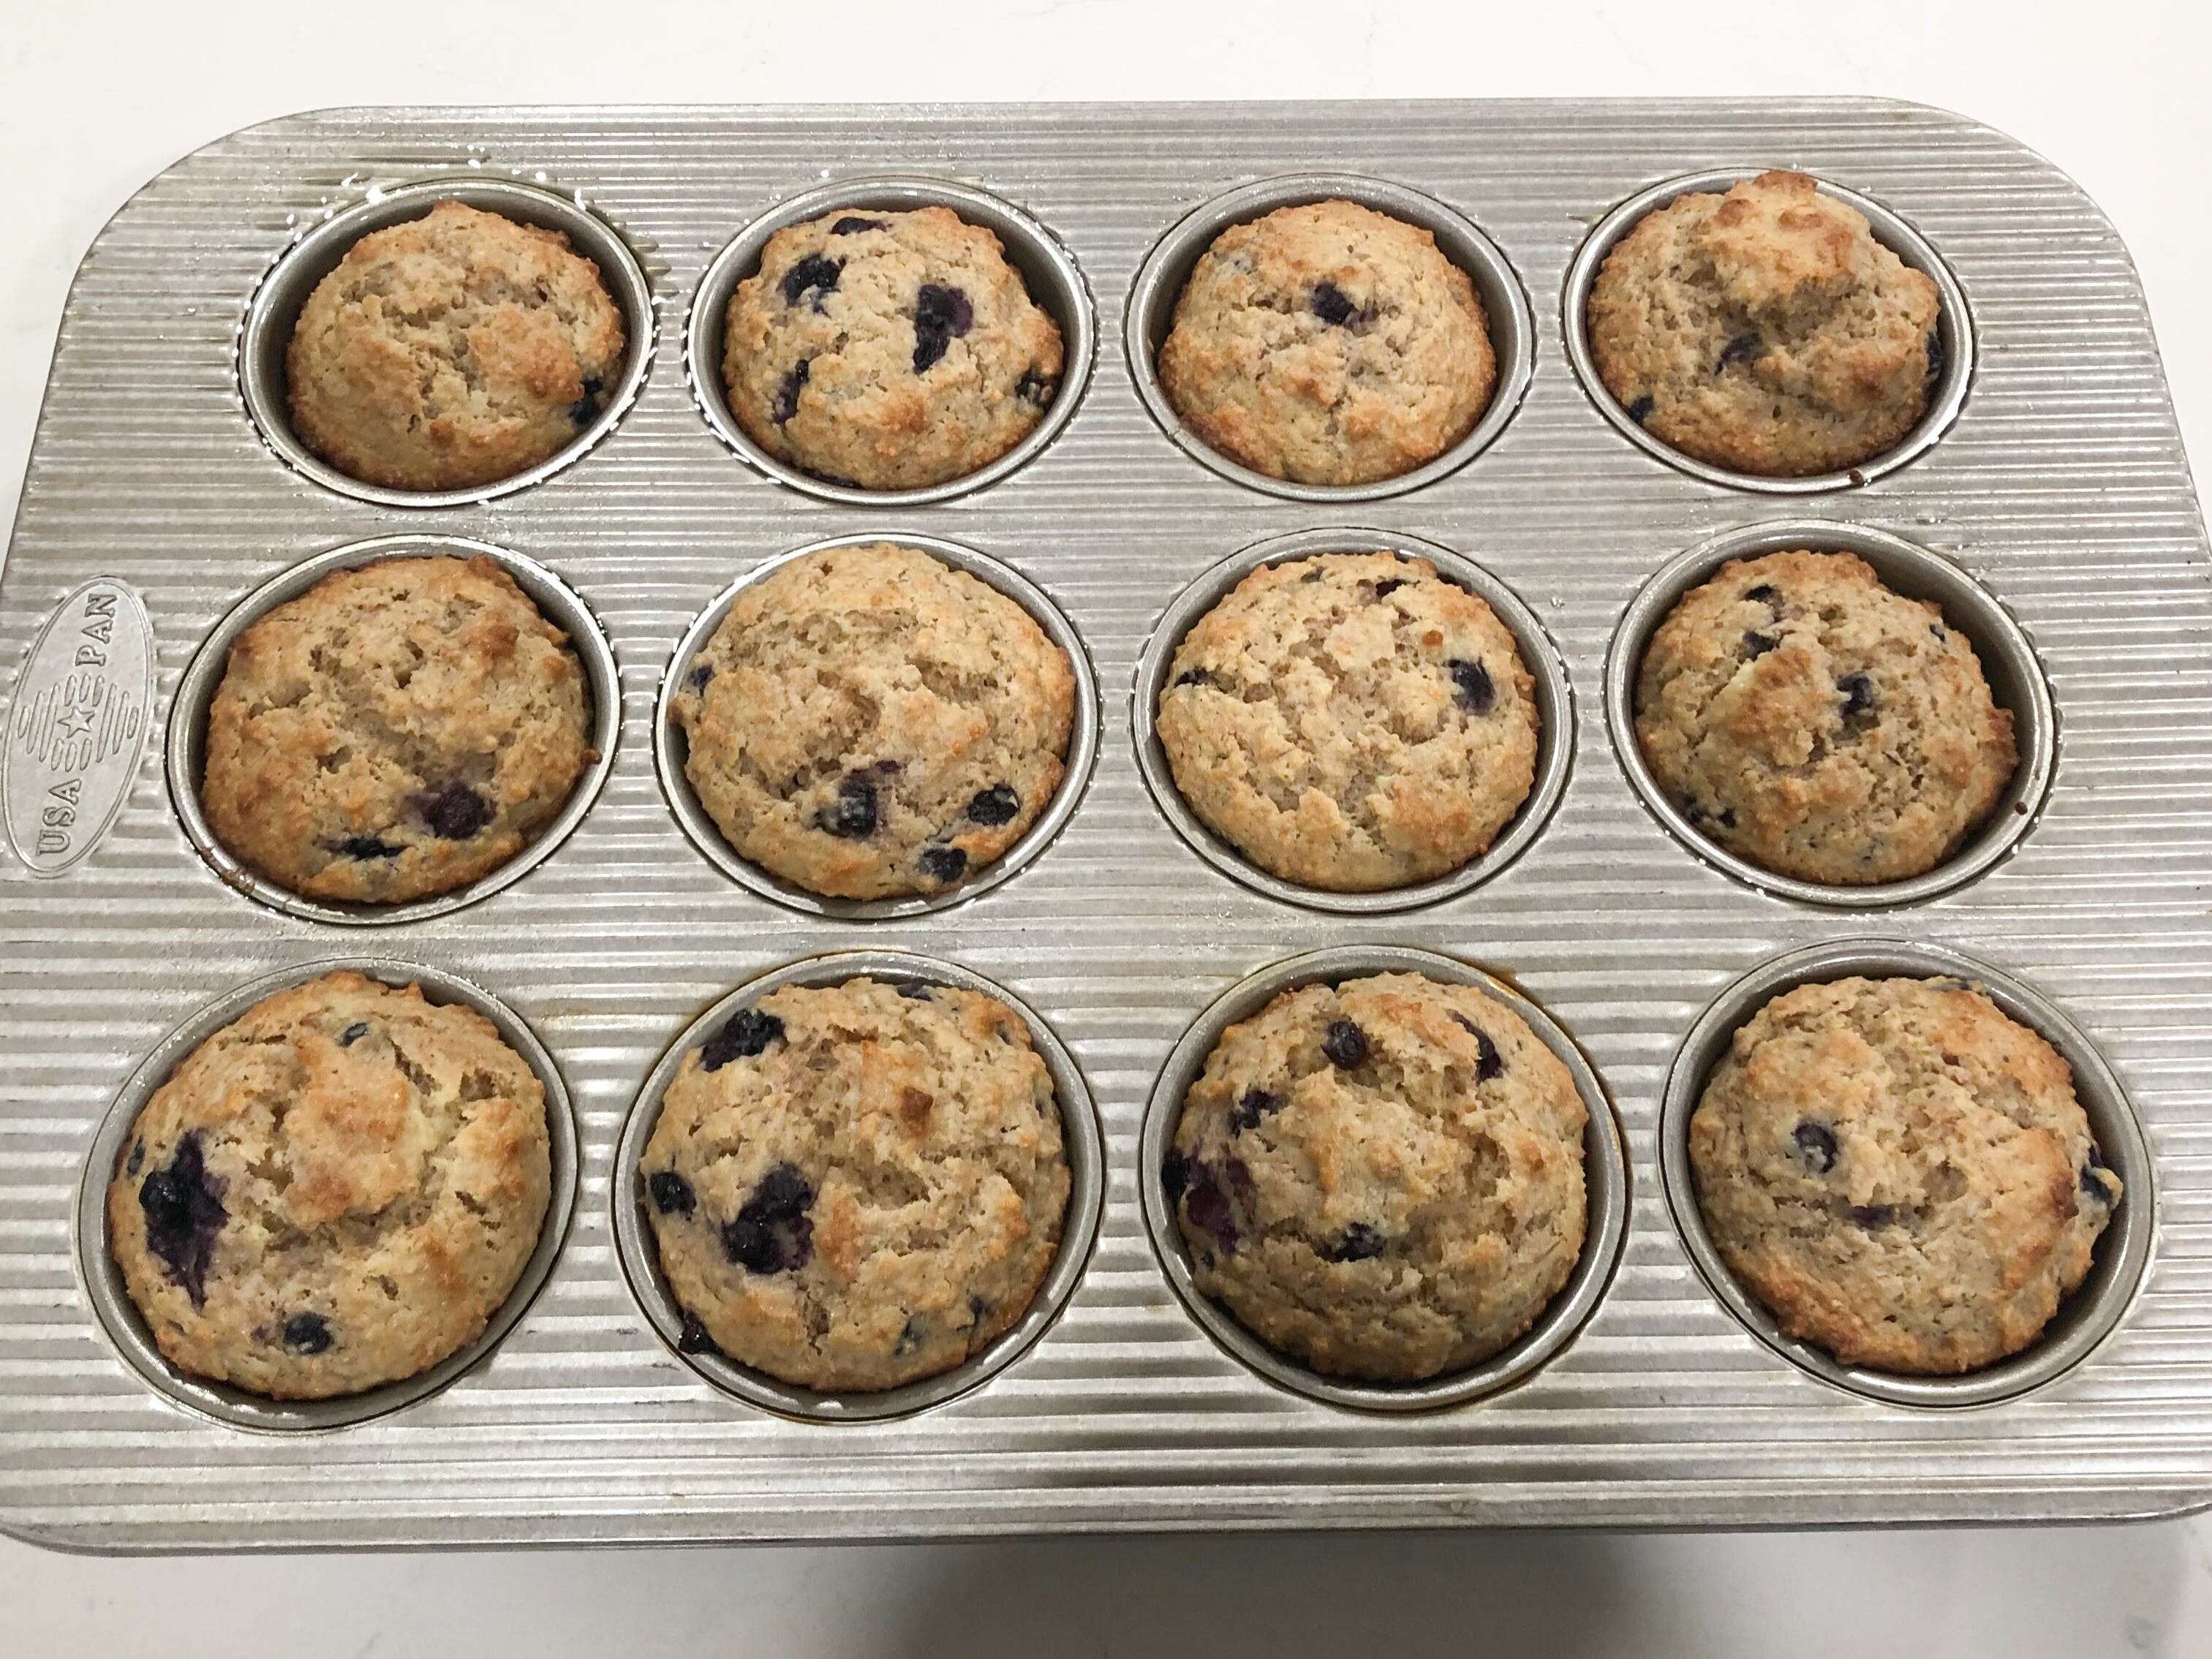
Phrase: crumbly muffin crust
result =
(1899, 1173)
(455, 349)
(1809, 719)
(1328, 344)
(869, 722)
(888, 350)
(1383, 1180)
(1764, 329)
(337, 1190)
(858, 1186)
(1350, 721)
(397, 731)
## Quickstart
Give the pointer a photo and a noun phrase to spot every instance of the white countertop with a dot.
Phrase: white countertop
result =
(97, 95)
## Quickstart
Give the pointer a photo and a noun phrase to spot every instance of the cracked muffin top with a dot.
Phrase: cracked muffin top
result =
(888, 350)
(1350, 721)
(455, 349)
(1328, 344)
(336, 1190)
(1764, 329)
(857, 1186)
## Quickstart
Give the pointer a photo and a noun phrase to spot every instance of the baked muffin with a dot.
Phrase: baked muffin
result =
(888, 350)
(869, 722)
(858, 1186)
(397, 731)
(1809, 719)
(337, 1190)
(1328, 344)
(1899, 1173)
(1350, 721)
(1764, 330)
(455, 349)
(1383, 1180)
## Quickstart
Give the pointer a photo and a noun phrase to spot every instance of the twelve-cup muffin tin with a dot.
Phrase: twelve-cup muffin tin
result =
(2049, 497)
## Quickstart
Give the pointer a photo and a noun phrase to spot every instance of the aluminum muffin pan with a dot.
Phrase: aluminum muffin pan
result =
(2083, 1321)
(1047, 269)
(1605, 1171)
(266, 330)
(1159, 284)
(1954, 329)
(102, 1281)
(1554, 698)
(188, 718)
(2060, 491)
(670, 748)
(2009, 663)
(1086, 1169)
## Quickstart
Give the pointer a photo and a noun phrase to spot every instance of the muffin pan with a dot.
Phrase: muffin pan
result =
(2049, 506)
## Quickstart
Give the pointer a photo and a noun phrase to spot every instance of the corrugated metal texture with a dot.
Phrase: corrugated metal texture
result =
(2063, 486)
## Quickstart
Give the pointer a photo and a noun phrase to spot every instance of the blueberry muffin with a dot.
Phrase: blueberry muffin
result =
(869, 722)
(1350, 721)
(1809, 719)
(888, 350)
(1383, 1180)
(455, 349)
(337, 1190)
(397, 731)
(1899, 1173)
(858, 1186)
(1764, 330)
(1328, 344)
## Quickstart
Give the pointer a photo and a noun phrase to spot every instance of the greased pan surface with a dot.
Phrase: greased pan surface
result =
(2060, 490)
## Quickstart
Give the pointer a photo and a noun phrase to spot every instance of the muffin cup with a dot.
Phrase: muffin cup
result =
(1605, 1166)
(2009, 663)
(1554, 700)
(1159, 285)
(639, 1255)
(187, 738)
(1047, 269)
(671, 748)
(2123, 1254)
(266, 332)
(1954, 323)
(101, 1280)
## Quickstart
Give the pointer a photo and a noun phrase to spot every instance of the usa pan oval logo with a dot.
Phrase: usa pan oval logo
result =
(77, 728)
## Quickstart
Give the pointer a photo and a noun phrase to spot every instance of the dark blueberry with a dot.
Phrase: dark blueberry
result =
(671, 1193)
(693, 1338)
(308, 1333)
(914, 990)
(816, 273)
(1475, 690)
(852, 816)
(581, 411)
(1357, 1243)
(1174, 1175)
(1206, 1207)
(1756, 644)
(942, 863)
(1488, 1062)
(1858, 695)
(743, 1035)
(995, 805)
(978, 1311)
(183, 1206)
(2092, 1187)
(1741, 350)
(786, 395)
(353, 1034)
(772, 1233)
(1936, 629)
(1640, 410)
(1035, 388)
(851, 225)
(941, 315)
(1698, 816)
(909, 1338)
(698, 678)
(368, 846)
(1762, 594)
(1345, 1044)
(137, 1158)
(1817, 1143)
(1247, 1113)
(1332, 304)
(1384, 589)
(1936, 355)
(1192, 677)
(455, 812)
(1872, 1215)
